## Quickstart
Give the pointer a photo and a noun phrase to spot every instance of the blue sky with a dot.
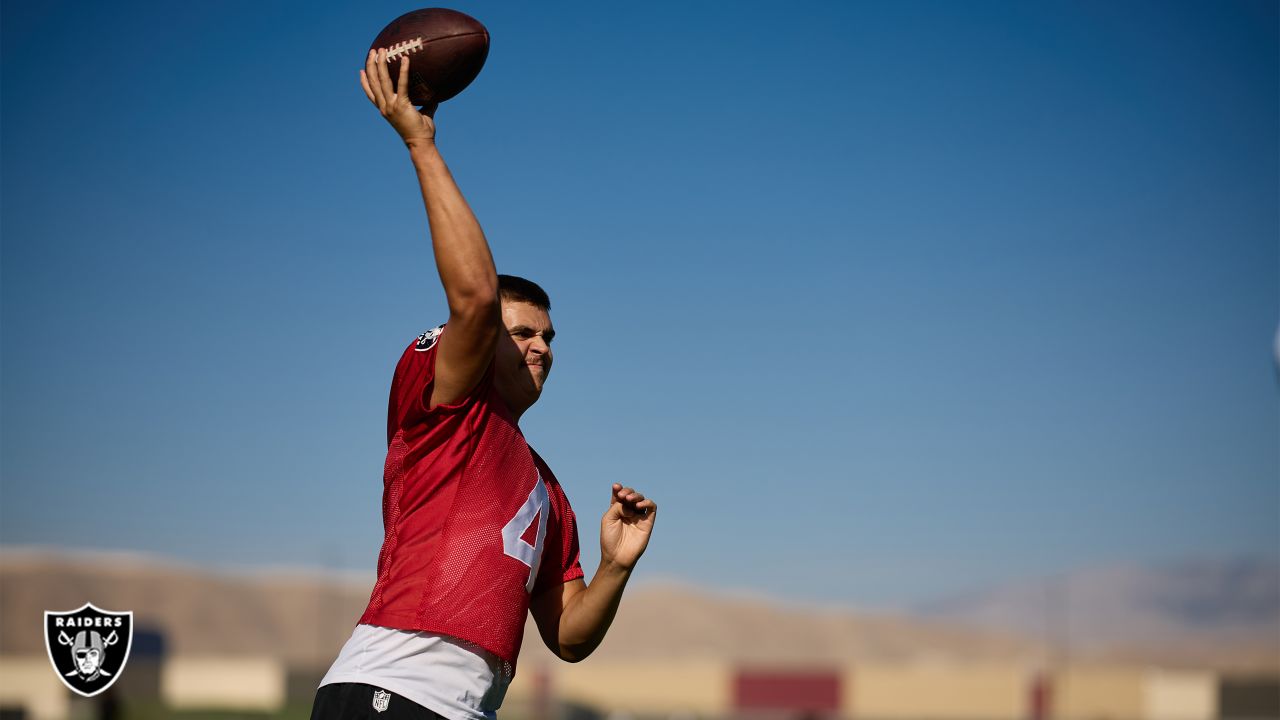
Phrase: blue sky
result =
(880, 301)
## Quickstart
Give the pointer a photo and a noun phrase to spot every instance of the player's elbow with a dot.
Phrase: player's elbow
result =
(574, 653)
(567, 651)
(477, 301)
(571, 650)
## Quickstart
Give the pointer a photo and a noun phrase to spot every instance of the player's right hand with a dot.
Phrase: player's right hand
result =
(413, 125)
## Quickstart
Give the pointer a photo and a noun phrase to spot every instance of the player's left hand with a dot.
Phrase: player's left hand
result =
(626, 526)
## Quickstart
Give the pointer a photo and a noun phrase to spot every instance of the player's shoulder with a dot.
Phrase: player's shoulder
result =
(428, 339)
(544, 471)
(419, 356)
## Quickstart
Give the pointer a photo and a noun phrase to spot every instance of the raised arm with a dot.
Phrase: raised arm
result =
(573, 617)
(461, 252)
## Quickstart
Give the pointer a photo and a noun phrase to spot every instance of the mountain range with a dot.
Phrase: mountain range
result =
(1208, 614)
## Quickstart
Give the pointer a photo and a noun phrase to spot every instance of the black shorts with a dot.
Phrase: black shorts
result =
(356, 701)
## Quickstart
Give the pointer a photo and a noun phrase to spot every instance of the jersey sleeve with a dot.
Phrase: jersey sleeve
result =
(561, 561)
(411, 383)
(413, 380)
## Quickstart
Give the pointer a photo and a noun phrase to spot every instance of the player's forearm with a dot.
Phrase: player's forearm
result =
(589, 614)
(461, 252)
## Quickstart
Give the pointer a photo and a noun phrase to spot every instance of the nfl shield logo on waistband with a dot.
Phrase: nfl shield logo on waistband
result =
(88, 647)
(381, 699)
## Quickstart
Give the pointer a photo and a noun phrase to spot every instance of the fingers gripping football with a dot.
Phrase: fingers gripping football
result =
(392, 100)
(626, 526)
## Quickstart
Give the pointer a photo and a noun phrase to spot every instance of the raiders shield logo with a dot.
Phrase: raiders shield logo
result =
(381, 699)
(88, 647)
(427, 340)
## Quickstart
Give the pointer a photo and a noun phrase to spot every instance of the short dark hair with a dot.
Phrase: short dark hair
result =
(517, 289)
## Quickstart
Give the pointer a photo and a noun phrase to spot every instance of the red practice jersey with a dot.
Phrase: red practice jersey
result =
(475, 521)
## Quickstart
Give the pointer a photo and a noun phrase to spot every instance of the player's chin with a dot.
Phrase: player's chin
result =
(538, 373)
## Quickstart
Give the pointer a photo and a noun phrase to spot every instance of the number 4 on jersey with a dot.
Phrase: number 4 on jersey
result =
(513, 542)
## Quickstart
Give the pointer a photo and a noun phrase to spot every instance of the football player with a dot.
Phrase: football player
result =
(478, 533)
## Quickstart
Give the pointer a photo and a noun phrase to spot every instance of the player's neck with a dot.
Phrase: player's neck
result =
(515, 411)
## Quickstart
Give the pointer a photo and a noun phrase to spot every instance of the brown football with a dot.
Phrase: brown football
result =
(446, 50)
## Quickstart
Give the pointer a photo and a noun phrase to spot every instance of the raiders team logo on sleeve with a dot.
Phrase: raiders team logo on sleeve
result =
(427, 340)
(88, 647)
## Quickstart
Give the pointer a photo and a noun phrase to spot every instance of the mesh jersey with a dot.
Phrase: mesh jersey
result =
(474, 520)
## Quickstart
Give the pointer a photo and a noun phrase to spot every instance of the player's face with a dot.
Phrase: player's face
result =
(523, 356)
